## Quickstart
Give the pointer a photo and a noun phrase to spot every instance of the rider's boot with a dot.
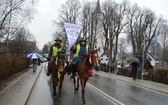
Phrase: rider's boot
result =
(73, 70)
(48, 71)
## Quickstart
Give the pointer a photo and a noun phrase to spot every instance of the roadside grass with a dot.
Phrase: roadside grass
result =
(10, 79)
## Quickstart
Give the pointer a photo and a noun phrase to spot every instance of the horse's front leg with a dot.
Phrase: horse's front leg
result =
(83, 91)
(60, 87)
(54, 86)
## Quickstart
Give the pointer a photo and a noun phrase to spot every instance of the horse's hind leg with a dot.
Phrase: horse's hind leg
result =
(77, 89)
(55, 81)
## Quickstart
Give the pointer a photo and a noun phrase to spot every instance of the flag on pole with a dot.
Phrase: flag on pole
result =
(155, 40)
(72, 31)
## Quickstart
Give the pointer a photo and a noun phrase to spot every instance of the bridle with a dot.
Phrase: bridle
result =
(60, 64)
(94, 60)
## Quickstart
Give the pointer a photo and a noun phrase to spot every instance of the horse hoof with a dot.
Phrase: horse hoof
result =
(76, 92)
(60, 98)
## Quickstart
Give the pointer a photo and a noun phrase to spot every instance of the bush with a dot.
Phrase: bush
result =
(157, 75)
(11, 65)
(125, 72)
(160, 75)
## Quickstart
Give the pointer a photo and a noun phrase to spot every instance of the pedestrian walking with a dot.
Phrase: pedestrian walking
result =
(35, 62)
(134, 64)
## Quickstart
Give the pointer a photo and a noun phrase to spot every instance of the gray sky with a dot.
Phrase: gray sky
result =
(41, 25)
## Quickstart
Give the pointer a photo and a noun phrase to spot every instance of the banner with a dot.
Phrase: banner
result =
(155, 40)
(72, 31)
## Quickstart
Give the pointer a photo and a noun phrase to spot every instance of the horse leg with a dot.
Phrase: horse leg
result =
(77, 85)
(74, 81)
(83, 90)
(85, 83)
(54, 86)
(60, 87)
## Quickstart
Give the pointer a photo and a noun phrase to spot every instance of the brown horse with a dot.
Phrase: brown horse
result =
(58, 73)
(83, 74)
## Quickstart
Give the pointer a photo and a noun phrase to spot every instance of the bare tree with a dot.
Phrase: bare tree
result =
(114, 22)
(91, 21)
(22, 43)
(143, 26)
(164, 40)
(13, 14)
(69, 12)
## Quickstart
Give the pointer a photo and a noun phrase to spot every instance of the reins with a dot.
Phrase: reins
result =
(88, 68)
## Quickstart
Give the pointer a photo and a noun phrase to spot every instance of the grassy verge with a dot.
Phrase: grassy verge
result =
(6, 82)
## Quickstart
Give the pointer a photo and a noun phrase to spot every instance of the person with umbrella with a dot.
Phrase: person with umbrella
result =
(34, 57)
(34, 61)
(134, 64)
(55, 49)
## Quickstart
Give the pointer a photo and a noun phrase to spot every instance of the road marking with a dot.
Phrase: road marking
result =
(106, 96)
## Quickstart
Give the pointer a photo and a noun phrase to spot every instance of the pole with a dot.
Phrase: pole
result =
(155, 57)
(143, 55)
(109, 54)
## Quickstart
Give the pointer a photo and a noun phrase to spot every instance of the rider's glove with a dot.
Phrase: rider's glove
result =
(58, 53)
(86, 54)
(72, 48)
(48, 58)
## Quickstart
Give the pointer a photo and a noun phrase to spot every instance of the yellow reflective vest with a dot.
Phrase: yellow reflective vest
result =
(78, 49)
(55, 50)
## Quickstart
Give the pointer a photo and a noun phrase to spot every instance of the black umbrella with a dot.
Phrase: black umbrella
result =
(134, 60)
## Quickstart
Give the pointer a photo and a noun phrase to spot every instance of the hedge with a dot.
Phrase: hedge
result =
(10, 65)
(158, 74)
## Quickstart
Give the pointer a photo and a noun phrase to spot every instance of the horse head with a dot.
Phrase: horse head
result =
(61, 62)
(94, 57)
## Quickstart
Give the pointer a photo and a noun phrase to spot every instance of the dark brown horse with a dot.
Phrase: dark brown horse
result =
(58, 73)
(83, 74)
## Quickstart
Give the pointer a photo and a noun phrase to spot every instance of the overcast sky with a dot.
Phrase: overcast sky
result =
(42, 28)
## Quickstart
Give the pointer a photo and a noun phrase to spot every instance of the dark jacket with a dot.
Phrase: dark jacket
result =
(134, 67)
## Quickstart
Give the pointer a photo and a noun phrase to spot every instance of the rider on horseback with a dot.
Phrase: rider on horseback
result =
(55, 49)
(80, 51)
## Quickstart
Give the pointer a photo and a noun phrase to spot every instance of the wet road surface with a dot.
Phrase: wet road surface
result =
(100, 90)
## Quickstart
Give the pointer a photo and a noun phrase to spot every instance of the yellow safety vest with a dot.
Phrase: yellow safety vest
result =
(78, 49)
(55, 50)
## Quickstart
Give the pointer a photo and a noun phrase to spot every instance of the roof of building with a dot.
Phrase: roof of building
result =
(97, 10)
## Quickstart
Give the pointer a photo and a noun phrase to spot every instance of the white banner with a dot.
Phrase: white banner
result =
(72, 31)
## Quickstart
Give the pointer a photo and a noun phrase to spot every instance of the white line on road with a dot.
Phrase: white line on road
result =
(106, 96)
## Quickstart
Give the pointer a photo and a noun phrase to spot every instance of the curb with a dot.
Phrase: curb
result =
(33, 86)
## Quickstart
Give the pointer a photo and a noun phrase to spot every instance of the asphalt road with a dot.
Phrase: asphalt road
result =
(100, 90)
